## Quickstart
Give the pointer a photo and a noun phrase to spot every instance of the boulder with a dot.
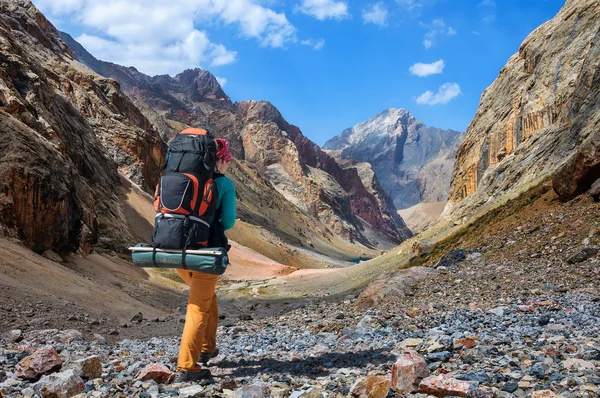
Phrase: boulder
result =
(88, 368)
(408, 371)
(442, 386)
(583, 254)
(43, 361)
(371, 387)
(60, 385)
(581, 171)
(157, 372)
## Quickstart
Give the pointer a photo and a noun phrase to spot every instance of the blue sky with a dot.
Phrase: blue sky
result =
(325, 64)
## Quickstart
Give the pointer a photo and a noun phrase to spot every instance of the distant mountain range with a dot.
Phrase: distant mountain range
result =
(413, 162)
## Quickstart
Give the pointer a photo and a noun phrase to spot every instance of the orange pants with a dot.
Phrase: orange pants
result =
(202, 316)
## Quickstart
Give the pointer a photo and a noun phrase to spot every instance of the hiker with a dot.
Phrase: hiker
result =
(198, 342)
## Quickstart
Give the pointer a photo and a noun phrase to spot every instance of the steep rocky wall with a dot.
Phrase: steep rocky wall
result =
(361, 203)
(537, 112)
(66, 133)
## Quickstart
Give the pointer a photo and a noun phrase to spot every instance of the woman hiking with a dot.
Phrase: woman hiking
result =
(198, 341)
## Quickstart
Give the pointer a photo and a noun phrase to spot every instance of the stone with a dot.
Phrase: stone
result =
(576, 175)
(15, 335)
(442, 385)
(88, 368)
(595, 190)
(583, 254)
(543, 394)
(452, 258)
(408, 371)
(443, 356)
(580, 364)
(468, 342)
(192, 392)
(157, 372)
(254, 390)
(411, 343)
(510, 386)
(43, 361)
(371, 387)
(60, 385)
(137, 318)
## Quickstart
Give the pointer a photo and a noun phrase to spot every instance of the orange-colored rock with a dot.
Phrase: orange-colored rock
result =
(468, 342)
(442, 386)
(157, 372)
(371, 387)
(43, 361)
(544, 394)
(408, 371)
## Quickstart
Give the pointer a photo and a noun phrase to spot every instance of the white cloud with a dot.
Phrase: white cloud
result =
(435, 29)
(445, 93)
(222, 81)
(324, 9)
(422, 70)
(165, 37)
(376, 14)
(316, 44)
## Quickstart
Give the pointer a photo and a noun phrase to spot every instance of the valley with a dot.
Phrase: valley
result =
(481, 249)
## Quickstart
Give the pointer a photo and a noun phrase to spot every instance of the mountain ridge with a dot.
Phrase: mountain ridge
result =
(165, 103)
(404, 153)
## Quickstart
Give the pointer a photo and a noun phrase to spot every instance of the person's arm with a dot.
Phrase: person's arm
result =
(228, 206)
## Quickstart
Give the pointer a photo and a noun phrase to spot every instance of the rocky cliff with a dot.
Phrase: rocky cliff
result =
(258, 134)
(541, 108)
(312, 179)
(66, 133)
(413, 162)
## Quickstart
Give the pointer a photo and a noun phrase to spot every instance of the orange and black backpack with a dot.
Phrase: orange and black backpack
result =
(186, 195)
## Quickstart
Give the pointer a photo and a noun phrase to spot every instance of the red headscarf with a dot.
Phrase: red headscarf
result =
(224, 153)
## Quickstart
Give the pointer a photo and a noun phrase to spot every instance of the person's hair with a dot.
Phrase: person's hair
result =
(219, 146)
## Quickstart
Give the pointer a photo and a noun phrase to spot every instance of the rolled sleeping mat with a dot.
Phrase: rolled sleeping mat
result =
(211, 260)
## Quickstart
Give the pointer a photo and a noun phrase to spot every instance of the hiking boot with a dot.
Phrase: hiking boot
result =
(206, 356)
(193, 376)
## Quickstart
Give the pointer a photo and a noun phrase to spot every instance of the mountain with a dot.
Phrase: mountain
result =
(67, 133)
(539, 117)
(259, 135)
(413, 162)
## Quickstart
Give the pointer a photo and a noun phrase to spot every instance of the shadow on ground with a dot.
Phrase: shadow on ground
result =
(320, 365)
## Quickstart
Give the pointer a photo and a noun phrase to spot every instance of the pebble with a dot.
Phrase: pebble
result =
(506, 352)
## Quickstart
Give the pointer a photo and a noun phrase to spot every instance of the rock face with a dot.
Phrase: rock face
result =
(413, 162)
(543, 108)
(309, 177)
(259, 135)
(66, 132)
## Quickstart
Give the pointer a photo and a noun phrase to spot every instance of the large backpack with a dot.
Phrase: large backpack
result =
(186, 195)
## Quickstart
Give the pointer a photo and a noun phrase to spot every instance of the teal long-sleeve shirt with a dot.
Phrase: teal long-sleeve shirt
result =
(226, 200)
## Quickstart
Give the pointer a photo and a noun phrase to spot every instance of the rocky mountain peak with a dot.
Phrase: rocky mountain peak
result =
(202, 84)
(399, 146)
